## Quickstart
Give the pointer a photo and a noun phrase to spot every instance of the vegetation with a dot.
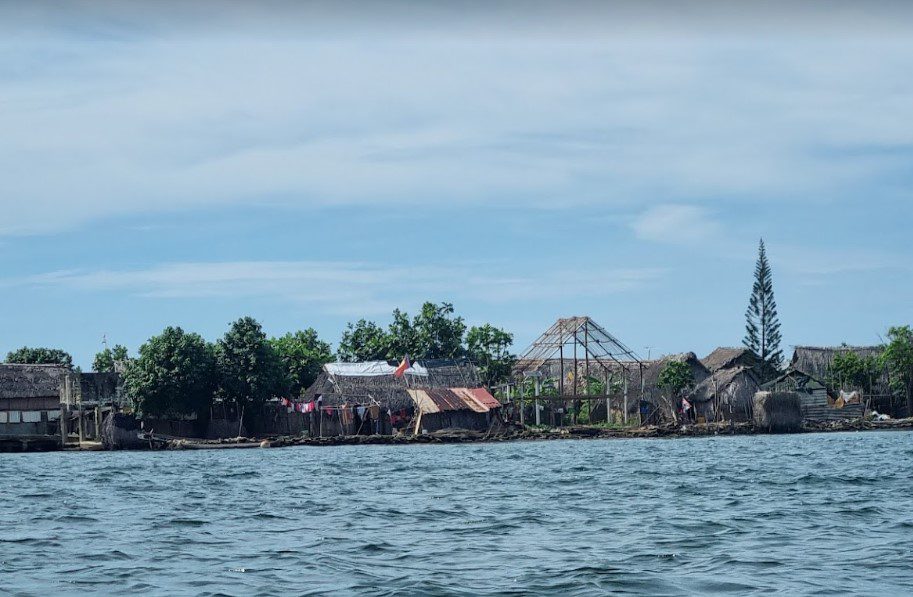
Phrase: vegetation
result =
(762, 326)
(434, 333)
(40, 356)
(676, 377)
(489, 348)
(108, 359)
(849, 370)
(898, 359)
(250, 371)
(301, 355)
(175, 374)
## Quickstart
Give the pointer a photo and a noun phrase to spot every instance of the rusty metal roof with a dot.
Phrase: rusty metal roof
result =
(435, 400)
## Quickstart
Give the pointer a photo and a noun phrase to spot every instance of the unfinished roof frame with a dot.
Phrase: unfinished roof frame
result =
(568, 336)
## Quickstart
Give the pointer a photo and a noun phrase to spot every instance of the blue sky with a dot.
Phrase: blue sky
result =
(313, 163)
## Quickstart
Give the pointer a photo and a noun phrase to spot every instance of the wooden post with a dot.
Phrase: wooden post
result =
(79, 424)
(538, 389)
(63, 425)
(608, 399)
(97, 423)
(625, 414)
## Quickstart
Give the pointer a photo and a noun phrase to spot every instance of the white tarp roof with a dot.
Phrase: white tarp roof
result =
(370, 369)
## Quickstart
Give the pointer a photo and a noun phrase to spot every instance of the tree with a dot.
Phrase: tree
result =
(40, 356)
(438, 334)
(249, 368)
(175, 374)
(676, 377)
(302, 354)
(363, 341)
(762, 327)
(108, 359)
(849, 370)
(489, 348)
(898, 359)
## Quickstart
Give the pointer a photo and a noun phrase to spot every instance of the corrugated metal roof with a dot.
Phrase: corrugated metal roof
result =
(435, 400)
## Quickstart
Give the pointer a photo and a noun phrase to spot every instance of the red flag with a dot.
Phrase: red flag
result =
(401, 370)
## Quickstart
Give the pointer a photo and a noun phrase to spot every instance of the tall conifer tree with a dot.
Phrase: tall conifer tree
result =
(762, 325)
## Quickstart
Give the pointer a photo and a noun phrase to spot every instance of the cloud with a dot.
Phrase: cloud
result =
(138, 111)
(345, 288)
(675, 224)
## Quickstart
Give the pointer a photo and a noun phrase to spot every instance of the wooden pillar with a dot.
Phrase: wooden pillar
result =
(625, 414)
(97, 423)
(63, 425)
(79, 425)
(538, 389)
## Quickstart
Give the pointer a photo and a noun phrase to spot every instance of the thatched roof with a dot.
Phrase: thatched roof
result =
(726, 381)
(817, 360)
(31, 381)
(390, 391)
(725, 357)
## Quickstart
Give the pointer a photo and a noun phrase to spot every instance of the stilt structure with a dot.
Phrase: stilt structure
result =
(578, 347)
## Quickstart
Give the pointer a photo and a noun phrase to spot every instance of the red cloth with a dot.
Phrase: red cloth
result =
(401, 370)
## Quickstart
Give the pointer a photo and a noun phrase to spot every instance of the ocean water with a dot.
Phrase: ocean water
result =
(803, 514)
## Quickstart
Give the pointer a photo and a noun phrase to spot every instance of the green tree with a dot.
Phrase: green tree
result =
(898, 359)
(849, 370)
(107, 360)
(676, 376)
(40, 356)
(439, 335)
(302, 354)
(363, 341)
(249, 368)
(489, 348)
(762, 325)
(175, 374)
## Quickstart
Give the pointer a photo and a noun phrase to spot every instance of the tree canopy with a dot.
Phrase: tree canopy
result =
(489, 348)
(175, 374)
(762, 324)
(676, 377)
(40, 356)
(250, 371)
(106, 361)
(301, 355)
(849, 370)
(434, 333)
(898, 358)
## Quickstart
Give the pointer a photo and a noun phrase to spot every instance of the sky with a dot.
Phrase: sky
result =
(313, 163)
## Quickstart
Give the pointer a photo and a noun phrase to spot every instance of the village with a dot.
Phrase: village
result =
(575, 380)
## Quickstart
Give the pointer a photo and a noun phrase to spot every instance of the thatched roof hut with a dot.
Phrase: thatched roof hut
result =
(373, 383)
(727, 394)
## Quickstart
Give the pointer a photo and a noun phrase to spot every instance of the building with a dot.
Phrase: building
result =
(30, 399)
(727, 394)
(366, 398)
(816, 404)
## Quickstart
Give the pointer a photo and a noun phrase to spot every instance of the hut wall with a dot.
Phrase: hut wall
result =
(456, 419)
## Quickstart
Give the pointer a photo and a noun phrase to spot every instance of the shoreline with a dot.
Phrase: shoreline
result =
(528, 434)
(454, 436)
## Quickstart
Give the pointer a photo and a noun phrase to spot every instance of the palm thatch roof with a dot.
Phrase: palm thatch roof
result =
(728, 381)
(817, 360)
(725, 357)
(31, 381)
(389, 391)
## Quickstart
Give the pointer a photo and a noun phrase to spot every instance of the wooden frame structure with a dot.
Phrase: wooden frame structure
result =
(581, 341)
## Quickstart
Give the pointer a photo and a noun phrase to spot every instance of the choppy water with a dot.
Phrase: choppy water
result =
(810, 514)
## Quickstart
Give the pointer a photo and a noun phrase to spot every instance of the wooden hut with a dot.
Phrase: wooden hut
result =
(366, 398)
(816, 405)
(30, 397)
(727, 394)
